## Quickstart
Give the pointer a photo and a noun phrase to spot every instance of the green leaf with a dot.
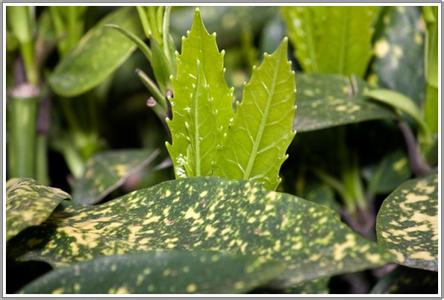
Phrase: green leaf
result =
(100, 52)
(389, 173)
(399, 52)
(177, 272)
(106, 171)
(207, 214)
(29, 204)
(404, 280)
(261, 132)
(332, 39)
(407, 223)
(317, 286)
(331, 100)
(202, 104)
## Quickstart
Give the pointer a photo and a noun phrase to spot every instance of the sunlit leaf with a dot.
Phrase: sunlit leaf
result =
(407, 223)
(101, 51)
(207, 214)
(202, 104)
(159, 272)
(106, 171)
(29, 204)
(257, 140)
(331, 100)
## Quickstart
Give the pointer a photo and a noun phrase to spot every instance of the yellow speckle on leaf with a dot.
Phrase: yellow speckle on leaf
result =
(210, 230)
(190, 213)
(58, 291)
(191, 288)
(381, 48)
(422, 255)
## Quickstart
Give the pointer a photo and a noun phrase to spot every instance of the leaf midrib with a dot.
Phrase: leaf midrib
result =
(260, 132)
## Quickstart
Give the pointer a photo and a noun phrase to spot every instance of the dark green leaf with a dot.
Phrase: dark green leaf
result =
(207, 214)
(261, 132)
(389, 173)
(106, 171)
(159, 272)
(29, 204)
(317, 286)
(404, 280)
(332, 100)
(407, 223)
(399, 52)
(98, 54)
(202, 104)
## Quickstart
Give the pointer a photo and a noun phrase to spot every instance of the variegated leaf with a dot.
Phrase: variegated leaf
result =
(257, 140)
(206, 214)
(158, 272)
(202, 104)
(407, 223)
(29, 204)
(106, 171)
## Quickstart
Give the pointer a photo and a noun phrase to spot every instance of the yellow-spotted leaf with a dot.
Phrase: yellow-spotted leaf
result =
(262, 130)
(106, 171)
(407, 223)
(29, 204)
(332, 100)
(159, 272)
(206, 213)
(100, 52)
(202, 104)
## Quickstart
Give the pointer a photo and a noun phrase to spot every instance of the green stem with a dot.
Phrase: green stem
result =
(144, 20)
(42, 159)
(166, 33)
(22, 116)
(140, 44)
(27, 53)
(153, 89)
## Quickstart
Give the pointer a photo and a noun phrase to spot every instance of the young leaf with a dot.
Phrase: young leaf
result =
(98, 54)
(202, 104)
(262, 129)
(399, 52)
(332, 39)
(159, 272)
(407, 223)
(331, 100)
(106, 171)
(29, 204)
(206, 214)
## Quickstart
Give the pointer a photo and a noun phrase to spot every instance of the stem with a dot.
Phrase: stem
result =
(154, 90)
(27, 53)
(144, 20)
(22, 114)
(140, 44)
(42, 160)
(417, 164)
(166, 32)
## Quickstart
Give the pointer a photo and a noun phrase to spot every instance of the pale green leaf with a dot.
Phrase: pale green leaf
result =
(331, 100)
(407, 223)
(257, 140)
(334, 39)
(206, 214)
(29, 204)
(159, 272)
(106, 171)
(202, 104)
(101, 51)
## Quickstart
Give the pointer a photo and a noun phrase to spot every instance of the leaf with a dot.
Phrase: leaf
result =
(159, 272)
(407, 223)
(332, 39)
(404, 280)
(399, 52)
(100, 52)
(106, 171)
(201, 104)
(389, 173)
(317, 286)
(29, 204)
(207, 213)
(399, 102)
(261, 132)
(331, 100)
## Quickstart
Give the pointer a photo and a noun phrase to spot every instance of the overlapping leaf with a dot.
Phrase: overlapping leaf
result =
(107, 171)
(29, 204)
(202, 104)
(399, 52)
(256, 142)
(159, 272)
(407, 223)
(332, 100)
(334, 39)
(206, 214)
(97, 55)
